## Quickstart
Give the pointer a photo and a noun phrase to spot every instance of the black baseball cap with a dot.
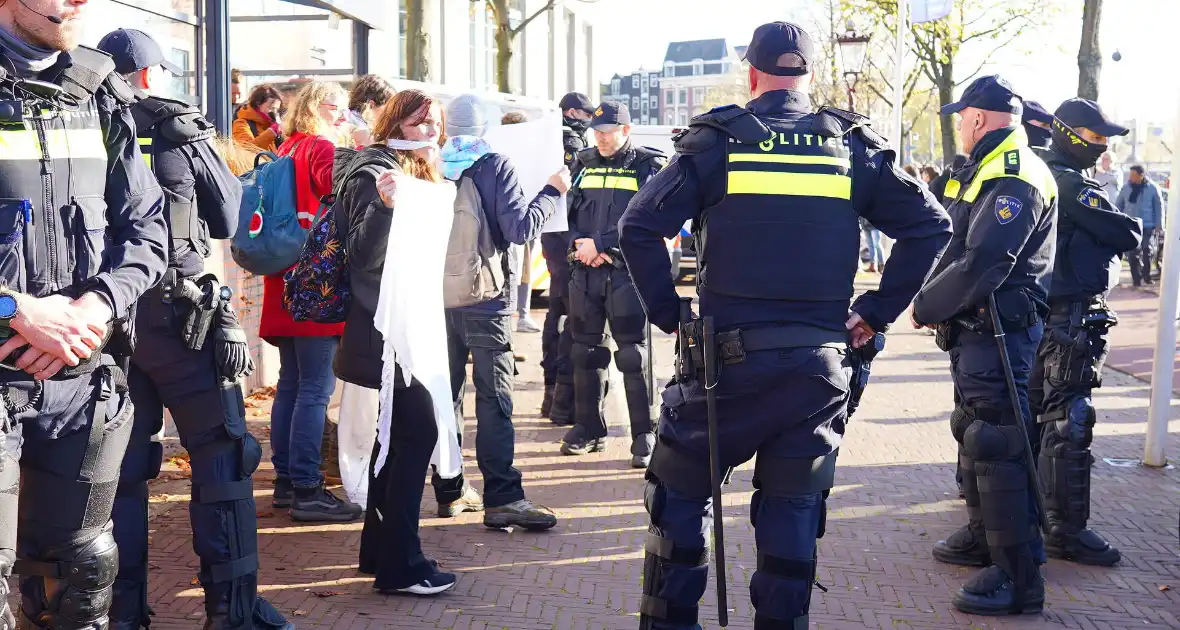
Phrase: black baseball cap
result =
(135, 50)
(611, 113)
(1079, 112)
(772, 41)
(1034, 111)
(578, 101)
(992, 93)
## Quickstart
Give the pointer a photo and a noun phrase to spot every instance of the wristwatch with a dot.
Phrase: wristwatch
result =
(8, 310)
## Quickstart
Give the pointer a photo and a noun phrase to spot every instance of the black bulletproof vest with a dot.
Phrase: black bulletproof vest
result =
(786, 228)
(605, 187)
(188, 237)
(53, 176)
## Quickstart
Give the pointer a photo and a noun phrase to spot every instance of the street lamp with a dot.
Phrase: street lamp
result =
(854, 49)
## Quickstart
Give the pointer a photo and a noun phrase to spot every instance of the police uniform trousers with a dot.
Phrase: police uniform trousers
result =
(210, 418)
(1000, 505)
(787, 407)
(557, 340)
(61, 443)
(599, 295)
(1069, 366)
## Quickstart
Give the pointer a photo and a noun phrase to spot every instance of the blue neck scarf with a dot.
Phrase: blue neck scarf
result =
(460, 152)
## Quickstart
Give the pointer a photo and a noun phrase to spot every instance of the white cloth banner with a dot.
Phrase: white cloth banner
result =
(534, 148)
(354, 439)
(929, 10)
(410, 315)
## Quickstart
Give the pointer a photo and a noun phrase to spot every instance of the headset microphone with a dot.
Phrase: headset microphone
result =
(52, 18)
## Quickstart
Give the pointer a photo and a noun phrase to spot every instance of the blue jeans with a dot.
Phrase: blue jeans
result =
(876, 251)
(305, 385)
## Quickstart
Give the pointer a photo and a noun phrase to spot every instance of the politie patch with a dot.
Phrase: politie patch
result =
(1007, 208)
(1090, 198)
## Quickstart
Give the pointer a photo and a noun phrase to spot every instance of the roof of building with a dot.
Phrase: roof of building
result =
(741, 51)
(682, 52)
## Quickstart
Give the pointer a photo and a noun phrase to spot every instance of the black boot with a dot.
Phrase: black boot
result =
(547, 402)
(562, 411)
(992, 593)
(1086, 547)
(966, 547)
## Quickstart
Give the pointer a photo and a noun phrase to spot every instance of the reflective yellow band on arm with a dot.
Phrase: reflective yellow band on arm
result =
(794, 184)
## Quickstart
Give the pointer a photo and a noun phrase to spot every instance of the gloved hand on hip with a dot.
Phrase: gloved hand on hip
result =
(230, 347)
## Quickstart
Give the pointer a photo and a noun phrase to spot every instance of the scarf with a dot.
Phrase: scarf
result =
(1136, 190)
(459, 153)
(27, 60)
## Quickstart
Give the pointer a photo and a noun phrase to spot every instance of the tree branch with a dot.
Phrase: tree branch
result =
(548, 5)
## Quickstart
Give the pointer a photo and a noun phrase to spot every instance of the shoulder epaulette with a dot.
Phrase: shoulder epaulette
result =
(736, 122)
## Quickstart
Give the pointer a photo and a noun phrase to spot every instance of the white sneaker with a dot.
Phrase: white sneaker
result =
(527, 325)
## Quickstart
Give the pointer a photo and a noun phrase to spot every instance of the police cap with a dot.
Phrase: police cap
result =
(772, 41)
(1035, 112)
(992, 93)
(135, 50)
(611, 113)
(578, 101)
(1079, 112)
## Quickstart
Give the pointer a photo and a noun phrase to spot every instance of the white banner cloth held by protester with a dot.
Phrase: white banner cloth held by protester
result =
(410, 314)
(354, 439)
(534, 148)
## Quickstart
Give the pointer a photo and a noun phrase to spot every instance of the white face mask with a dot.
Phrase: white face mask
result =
(408, 145)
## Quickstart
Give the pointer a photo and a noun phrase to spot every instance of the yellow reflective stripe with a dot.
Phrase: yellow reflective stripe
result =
(796, 184)
(591, 181)
(145, 142)
(620, 182)
(147, 157)
(776, 158)
(61, 144)
(952, 189)
(1032, 170)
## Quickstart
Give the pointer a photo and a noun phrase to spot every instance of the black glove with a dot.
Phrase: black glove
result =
(230, 347)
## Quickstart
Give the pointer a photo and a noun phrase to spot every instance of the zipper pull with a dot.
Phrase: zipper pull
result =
(26, 207)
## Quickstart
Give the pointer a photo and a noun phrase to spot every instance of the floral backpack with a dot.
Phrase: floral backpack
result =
(317, 288)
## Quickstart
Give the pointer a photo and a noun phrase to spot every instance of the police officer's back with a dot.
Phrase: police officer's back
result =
(83, 237)
(774, 191)
(190, 355)
(1091, 235)
(1003, 204)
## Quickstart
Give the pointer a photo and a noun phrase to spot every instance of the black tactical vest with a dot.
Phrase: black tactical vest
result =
(786, 228)
(53, 177)
(164, 124)
(606, 185)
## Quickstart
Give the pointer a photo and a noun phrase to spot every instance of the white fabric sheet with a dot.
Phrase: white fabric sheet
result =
(410, 315)
(534, 148)
(354, 439)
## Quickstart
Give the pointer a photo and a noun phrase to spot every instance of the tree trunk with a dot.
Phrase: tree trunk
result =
(1089, 54)
(504, 41)
(417, 46)
(946, 96)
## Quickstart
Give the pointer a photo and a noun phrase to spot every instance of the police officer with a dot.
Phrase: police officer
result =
(1037, 123)
(173, 367)
(1003, 204)
(1091, 235)
(772, 182)
(82, 237)
(556, 339)
(607, 176)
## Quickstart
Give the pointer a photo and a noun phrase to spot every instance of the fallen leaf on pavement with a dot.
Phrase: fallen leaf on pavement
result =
(194, 581)
(1165, 587)
(265, 514)
(327, 593)
(300, 613)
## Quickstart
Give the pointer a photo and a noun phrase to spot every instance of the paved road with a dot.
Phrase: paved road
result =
(895, 497)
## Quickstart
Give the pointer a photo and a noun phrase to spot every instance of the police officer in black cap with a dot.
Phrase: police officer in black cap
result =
(190, 355)
(771, 181)
(606, 177)
(1091, 236)
(556, 340)
(1003, 204)
(1038, 125)
(82, 237)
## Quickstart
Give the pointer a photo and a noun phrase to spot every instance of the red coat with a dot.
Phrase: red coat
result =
(313, 179)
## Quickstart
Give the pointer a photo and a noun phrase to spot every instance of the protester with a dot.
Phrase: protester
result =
(938, 186)
(390, 547)
(306, 349)
(1141, 199)
(929, 174)
(876, 249)
(1109, 176)
(239, 157)
(483, 330)
(911, 170)
(258, 122)
(369, 96)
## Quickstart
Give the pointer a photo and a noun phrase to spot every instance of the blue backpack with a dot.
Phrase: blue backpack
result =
(269, 237)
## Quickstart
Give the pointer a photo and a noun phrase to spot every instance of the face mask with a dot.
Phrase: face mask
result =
(1084, 154)
(408, 145)
(577, 125)
(1037, 137)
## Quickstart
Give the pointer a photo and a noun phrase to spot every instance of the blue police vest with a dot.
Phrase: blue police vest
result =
(786, 228)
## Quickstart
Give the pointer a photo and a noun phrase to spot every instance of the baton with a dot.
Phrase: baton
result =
(1034, 484)
(709, 351)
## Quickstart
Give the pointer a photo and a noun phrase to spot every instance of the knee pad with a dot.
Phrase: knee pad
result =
(653, 498)
(669, 600)
(589, 357)
(990, 443)
(78, 589)
(1081, 419)
(629, 358)
(959, 423)
(755, 503)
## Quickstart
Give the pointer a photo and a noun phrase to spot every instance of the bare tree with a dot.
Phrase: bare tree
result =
(417, 45)
(1089, 55)
(506, 34)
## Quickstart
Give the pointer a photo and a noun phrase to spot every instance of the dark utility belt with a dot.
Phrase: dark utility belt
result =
(1093, 313)
(734, 345)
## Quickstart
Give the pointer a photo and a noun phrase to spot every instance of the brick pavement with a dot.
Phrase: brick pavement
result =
(895, 497)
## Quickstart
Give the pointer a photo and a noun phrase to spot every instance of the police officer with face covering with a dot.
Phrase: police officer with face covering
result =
(1037, 123)
(190, 355)
(606, 177)
(773, 180)
(1003, 204)
(1091, 236)
(556, 339)
(82, 237)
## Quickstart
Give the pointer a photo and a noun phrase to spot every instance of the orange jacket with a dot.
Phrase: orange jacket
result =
(265, 139)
